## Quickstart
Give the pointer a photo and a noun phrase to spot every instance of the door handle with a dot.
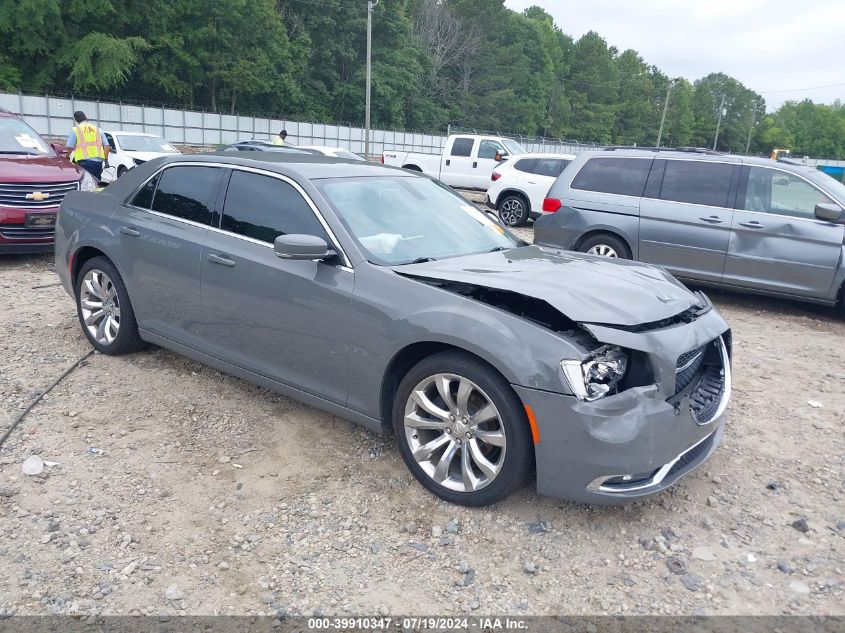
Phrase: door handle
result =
(531, 182)
(219, 259)
(125, 230)
(712, 219)
(474, 164)
(448, 162)
(751, 225)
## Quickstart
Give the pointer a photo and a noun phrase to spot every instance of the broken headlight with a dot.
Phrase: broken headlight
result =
(597, 376)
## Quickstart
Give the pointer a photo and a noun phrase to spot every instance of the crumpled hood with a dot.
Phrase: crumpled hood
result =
(585, 288)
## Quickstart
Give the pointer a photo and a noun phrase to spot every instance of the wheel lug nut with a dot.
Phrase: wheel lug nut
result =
(469, 435)
(460, 441)
(448, 430)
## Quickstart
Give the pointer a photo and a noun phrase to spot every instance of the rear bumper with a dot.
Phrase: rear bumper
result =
(489, 203)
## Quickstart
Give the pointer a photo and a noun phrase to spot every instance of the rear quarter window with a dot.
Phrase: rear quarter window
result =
(622, 176)
(526, 165)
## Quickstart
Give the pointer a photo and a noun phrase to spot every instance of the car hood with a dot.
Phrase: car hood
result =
(40, 169)
(145, 156)
(585, 288)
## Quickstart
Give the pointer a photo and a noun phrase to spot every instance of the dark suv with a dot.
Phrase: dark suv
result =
(753, 224)
(34, 179)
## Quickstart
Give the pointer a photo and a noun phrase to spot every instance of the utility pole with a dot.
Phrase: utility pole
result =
(370, 6)
(665, 107)
(751, 129)
(719, 122)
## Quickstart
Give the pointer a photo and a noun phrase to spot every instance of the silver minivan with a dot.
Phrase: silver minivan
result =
(743, 223)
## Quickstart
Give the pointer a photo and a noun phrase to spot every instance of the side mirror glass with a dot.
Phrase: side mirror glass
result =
(303, 247)
(829, 212)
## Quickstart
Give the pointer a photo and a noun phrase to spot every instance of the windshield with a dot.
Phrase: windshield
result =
(514, 148)
(16, 137)
(131, 143)
(399, 220)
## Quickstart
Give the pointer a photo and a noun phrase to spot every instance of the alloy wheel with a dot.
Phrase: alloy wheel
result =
(604, 250)
(455, 432)
(511, 211)
(100, 306)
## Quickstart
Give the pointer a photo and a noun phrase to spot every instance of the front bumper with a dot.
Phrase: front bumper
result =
(16, 236)
(638, 442)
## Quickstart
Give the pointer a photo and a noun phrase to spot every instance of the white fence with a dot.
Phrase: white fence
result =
(53, 116)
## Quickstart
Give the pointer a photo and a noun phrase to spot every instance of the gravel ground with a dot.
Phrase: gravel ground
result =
(171, 488)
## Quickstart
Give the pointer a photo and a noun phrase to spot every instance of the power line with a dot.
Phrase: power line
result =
(770, 92)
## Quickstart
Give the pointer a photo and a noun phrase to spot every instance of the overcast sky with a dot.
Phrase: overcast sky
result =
(768, 45)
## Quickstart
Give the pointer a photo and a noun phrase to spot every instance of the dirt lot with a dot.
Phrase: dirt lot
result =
(172, 488)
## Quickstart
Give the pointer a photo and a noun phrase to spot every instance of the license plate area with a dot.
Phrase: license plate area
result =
(40, 220)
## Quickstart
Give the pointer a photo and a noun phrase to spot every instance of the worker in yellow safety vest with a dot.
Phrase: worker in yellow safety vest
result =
(86, 145)
(280, 138)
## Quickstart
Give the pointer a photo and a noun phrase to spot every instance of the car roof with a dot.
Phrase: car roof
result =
(305, 166)
(542, 155)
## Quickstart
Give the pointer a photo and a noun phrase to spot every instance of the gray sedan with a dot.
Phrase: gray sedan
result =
(385, 298)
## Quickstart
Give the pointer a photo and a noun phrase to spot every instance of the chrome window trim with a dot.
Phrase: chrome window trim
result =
(346, 265)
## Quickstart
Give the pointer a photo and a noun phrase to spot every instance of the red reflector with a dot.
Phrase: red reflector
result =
(382, 159)
(494, 177)
(550, 205)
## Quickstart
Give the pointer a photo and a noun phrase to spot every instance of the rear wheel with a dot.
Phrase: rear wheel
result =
(121, 170)
(462, 430)
(605, 245)
(513, 210)
(104, 310)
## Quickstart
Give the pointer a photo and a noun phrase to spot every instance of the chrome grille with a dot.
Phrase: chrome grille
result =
(15, 194)
(687, 368)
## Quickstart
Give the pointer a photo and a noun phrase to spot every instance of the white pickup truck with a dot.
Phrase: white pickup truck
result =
(467, 160)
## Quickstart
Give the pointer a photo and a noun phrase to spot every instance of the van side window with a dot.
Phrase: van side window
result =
(773, 191)
(622, 176)
(462, 147)
(697, 182)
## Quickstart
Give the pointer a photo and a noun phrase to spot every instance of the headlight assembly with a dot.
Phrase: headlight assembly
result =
(88, 182)
(597, 376)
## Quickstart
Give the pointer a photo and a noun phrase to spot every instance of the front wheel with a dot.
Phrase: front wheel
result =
(605, 245)
(462, 430)
(104, 310)
(121, 170)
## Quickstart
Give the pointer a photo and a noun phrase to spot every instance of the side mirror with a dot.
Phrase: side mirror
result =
(59, 148)
(306, 247)
(829, 212)
(500, 156)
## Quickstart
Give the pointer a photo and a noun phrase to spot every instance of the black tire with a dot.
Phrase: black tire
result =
(127, 339)
(603, 241)
(517, 463)
(514, 210)
(121, 169)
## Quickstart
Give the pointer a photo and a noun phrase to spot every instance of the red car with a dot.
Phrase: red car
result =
(34, 179)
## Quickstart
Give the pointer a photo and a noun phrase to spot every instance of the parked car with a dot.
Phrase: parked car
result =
(467, 161)
(34, 179)
(743, 223)
(375, 294)
(334, 152)
(259, 145)
(519, 186)
(129, 149)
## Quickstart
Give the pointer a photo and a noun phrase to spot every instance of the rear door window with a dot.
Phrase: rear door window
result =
(186, 192)
(697, 182)
(462, 147)
(263, 207)
(623, 176)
